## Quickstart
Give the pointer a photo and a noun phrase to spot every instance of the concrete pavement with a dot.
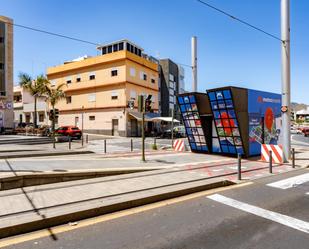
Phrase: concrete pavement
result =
(199, 220)
(31, 208)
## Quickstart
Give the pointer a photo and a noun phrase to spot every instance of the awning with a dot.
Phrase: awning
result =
(152, 117)
(148, 116)
(166, 119)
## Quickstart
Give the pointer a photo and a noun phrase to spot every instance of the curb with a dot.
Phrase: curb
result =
(47, 222)
(28, 180)
(60, 153)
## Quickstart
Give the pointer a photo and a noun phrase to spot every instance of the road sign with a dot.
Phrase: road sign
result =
(284, 108)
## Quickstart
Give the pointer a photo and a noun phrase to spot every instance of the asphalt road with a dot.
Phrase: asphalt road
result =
(202, 222)
(300, 139)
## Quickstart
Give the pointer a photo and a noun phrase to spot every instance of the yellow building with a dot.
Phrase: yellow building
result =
(99, 88)
(6, 73)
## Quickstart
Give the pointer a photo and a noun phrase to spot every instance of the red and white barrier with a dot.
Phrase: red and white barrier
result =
(179, 145)
(277, 153)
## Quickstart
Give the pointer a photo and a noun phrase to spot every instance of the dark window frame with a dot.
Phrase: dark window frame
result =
(114, 72)
(68, 99)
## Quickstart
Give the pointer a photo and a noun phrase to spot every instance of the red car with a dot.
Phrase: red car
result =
(306, 132)
(71, 131)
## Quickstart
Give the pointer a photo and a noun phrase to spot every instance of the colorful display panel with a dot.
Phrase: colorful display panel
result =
(264, 119)
(192, 123)
(227, 134)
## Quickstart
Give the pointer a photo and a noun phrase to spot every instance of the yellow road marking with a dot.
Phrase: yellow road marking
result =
(92, 221)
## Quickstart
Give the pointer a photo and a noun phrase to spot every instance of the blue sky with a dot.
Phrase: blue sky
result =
(229, 53)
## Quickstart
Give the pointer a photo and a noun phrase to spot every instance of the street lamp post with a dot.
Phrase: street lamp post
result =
(286, 86)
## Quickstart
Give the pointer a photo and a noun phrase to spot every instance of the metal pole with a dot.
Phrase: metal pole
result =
(172, 130)
(53, 126)
(293, 158)
(286, 87)
(270, 162)
(239, 166)
(143, 136)
(194, 63)
(54, 142)
(69, 142)
(87, 138)
(131, 144)
(105, 146)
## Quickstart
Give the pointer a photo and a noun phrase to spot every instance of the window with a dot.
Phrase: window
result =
(78, 79)
(103, 50)
(91, 118)
(144, 76)
(41, 117)
(153, 80)
(171, 77)
(110, 49)
(68, 99)
(172, 84)
(1, 65)
(114, 72)
(68, 80)
(1, 39)
(132, 71)
(115, 47)
(121, 46)
(91, 76)
(128, 46)
(91, 97)
(114, 95)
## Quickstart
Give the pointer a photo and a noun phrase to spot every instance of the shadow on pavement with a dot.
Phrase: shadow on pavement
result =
(52, 235)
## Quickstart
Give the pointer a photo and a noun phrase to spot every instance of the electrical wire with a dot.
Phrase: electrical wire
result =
(52, 33)
(239, 20)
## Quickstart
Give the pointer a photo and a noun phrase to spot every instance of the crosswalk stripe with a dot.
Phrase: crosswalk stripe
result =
(270, 215)
(290, 182)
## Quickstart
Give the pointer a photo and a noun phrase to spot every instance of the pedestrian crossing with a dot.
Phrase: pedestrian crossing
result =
(290, 182)
(299, 182)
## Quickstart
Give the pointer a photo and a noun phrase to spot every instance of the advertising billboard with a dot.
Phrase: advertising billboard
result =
(264, 119)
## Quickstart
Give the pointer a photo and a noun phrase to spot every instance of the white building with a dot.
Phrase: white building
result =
(24, 108)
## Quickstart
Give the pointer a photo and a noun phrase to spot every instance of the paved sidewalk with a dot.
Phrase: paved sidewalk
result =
(30, 208)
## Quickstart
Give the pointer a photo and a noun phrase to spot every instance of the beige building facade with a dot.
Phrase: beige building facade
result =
(6, 73)
(98, 89)
(24, 108)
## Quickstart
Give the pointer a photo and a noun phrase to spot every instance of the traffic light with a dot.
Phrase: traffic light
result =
(148, 103)
(131, 104)
(56, 113)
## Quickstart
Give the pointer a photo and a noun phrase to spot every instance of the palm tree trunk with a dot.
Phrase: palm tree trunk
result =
(35, 113)
(53, 120)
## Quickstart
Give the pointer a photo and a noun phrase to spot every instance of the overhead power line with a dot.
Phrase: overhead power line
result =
(54, 34)
(239, 20)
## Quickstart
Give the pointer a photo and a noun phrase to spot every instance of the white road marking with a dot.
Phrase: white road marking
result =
(290, 182)
(270, 215)
(215, 170)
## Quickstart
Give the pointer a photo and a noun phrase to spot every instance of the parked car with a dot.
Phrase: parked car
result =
(178, 132)
(306, 132)
(71, 131)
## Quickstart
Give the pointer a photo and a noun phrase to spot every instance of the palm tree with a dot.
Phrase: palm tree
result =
(36, 87)
(53, 96)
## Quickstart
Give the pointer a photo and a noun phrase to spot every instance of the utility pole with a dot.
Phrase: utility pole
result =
(285, 75)
(194, 63)
(143, 135)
